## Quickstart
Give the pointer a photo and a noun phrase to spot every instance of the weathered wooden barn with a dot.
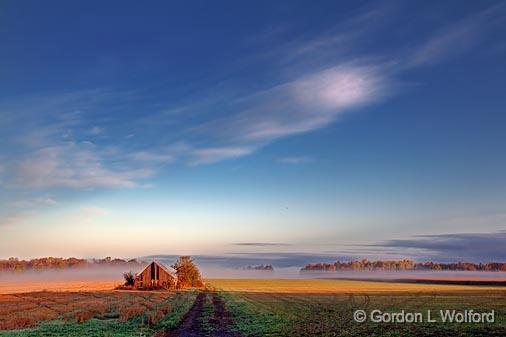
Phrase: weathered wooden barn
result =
(155, 275)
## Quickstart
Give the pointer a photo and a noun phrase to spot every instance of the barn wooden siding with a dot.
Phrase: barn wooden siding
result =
(154, 276)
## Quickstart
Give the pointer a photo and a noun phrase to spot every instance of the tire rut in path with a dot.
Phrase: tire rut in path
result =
(223, 318)
(192, 323)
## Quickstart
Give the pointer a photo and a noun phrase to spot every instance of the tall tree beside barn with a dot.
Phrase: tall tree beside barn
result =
(188, 275)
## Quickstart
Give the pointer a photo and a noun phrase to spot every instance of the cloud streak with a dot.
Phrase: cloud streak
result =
(302, 105)
(35, 203)
(457, 38)
(477, 247)
(74, 165)
(55, 135)
(261, 244)
(58, 152)
(216, 154)
(295, 160)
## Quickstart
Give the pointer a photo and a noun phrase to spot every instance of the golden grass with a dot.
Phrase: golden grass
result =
(331, 286)
(26, 309)
(14, 287)
(247, 285)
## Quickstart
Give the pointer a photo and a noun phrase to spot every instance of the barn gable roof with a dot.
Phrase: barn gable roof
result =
(161, 265)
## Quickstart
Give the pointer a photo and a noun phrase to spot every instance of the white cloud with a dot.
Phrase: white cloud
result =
(295, 160)
(148, 156)
(45, 201)
(96, 130)
(456, 38)
(74, 166)
(213, 155)
(449, 42)
(284, 46)
(49, 130)
(33, 203)
(305, 104)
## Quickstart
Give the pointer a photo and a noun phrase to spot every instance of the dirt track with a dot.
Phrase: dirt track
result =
(201, 323)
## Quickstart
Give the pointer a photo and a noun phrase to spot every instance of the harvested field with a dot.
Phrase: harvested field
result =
(24, 310)
(332, 286)
(325, 307)
(12, 287)
(249, 308)
(93, 314)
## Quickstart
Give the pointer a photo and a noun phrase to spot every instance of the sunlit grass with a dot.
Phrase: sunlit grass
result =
(325, 307)
(330, 285)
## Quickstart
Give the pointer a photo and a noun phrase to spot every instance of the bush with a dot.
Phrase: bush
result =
(129, 278)
(188, 275)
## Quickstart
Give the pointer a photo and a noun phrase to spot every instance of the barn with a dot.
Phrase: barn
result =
(155, 275)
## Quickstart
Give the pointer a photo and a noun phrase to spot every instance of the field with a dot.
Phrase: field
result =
(13, 287)
(240, 308)
(91, 313)
(331, 286)
(326, 307)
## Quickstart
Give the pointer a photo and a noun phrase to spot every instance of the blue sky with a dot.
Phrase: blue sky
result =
(301, 128)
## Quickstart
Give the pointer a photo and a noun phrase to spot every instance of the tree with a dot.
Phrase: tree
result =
(129, 278)
(188, 275)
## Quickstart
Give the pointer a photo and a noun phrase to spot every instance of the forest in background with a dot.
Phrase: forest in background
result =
(58, 263)
(366, 265)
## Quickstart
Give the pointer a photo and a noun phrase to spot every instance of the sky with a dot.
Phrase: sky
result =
(257, 128)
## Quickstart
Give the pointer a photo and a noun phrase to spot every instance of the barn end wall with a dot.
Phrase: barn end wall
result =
(154, 276)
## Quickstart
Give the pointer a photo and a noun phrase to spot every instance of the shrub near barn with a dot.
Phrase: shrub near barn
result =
(188, 275)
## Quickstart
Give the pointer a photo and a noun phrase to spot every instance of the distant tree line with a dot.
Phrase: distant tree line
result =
(58, 263)
(366, 265)
(268, 267)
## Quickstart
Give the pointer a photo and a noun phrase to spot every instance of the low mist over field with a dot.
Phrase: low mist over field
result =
(104, 276)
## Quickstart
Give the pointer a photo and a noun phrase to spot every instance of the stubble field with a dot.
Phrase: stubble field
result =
(326, 307)
(236, 308)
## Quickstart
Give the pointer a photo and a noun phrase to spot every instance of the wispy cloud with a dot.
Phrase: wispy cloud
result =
(478, 247)
(15, 211)
(304, 104)
(54, 134)
(96, 130)
(55, 149)
(295, 160)
(456, 38)
(317, 98)
(327, 46)
(149, 156)
(261, 244)
(54, 155)
(73, 165)
(215, 154)
(32, 203)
